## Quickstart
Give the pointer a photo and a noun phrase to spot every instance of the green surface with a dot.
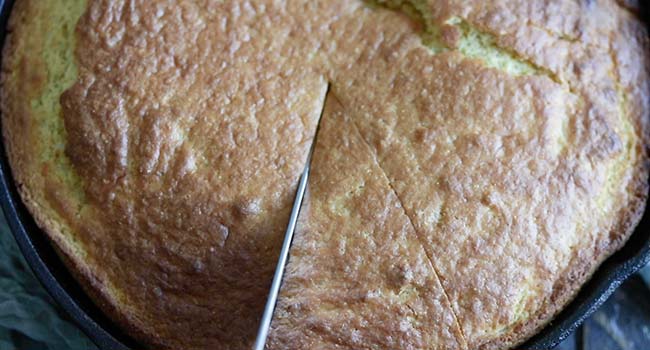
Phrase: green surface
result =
(28, 318)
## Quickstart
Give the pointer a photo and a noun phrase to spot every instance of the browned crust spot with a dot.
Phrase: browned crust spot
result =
(31, 185)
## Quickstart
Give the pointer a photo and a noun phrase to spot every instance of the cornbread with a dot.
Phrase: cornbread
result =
(475, 163)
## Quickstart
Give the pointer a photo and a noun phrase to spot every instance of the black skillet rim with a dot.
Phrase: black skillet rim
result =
(53, 275)
(41, 257)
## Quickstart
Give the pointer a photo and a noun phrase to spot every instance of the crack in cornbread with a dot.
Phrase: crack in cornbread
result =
(394, 289)
(456, 33)
(510, 133)
(430, 261)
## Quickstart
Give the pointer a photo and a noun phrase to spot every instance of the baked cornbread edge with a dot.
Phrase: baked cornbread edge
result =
(16, 119)
(581, 271)
(583, 266)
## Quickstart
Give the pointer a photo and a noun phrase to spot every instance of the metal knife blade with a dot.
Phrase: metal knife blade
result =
(265, 323)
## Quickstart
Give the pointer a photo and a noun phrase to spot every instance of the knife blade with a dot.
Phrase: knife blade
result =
(267, 316)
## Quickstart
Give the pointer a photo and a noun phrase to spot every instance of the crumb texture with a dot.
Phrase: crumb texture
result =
(475, 163)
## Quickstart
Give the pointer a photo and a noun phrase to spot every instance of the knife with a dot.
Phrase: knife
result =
(265, 323)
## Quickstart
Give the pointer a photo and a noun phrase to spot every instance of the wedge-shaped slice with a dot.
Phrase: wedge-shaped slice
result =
(513, 183)
(357, 275)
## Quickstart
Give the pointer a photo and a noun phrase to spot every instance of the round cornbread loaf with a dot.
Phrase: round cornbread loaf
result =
(475, 162)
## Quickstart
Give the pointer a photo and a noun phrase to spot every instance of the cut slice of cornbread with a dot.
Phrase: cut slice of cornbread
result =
(358, 274)
(502, 148)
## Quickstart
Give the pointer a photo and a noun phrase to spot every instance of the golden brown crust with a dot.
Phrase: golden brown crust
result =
(173, 233)
(357, 274)
(23, 78)
(628, 45)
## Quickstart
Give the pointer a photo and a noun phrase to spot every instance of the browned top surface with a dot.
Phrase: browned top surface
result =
(190, 142)
(190, 122)
(363, 280)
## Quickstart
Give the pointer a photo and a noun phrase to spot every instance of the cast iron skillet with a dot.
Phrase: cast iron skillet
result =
(66, 291)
